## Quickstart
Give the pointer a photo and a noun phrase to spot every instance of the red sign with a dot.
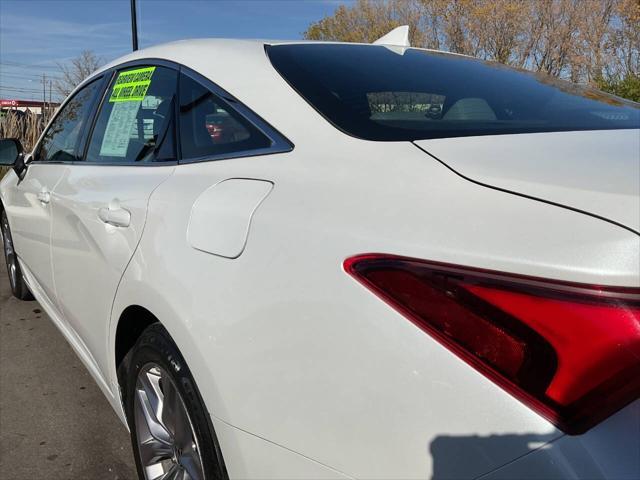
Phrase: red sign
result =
(25, 103)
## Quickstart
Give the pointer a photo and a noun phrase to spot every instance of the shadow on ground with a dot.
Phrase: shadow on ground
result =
(54, 421)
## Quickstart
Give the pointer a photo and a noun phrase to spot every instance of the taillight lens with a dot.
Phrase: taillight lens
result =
(569, 351)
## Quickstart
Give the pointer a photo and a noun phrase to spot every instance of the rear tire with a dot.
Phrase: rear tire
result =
(171, 430)
(19, 287)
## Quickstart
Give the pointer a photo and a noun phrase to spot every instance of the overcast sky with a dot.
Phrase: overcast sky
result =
(37, 34)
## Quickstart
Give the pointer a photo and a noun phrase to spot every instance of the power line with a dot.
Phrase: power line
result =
(19, 87)
(20, 90)
(34, 76)
(23, 96)
(32, 94)
(28, 69)
(29, 65)
(24, 69)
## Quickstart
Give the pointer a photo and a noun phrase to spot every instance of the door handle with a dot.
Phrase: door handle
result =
(116, 216)
(44, 196)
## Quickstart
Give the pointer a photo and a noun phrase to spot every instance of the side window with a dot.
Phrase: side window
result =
(61, 140)
(208, 126)
(135, 122)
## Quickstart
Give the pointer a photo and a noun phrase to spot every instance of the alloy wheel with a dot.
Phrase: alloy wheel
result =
(167, 443)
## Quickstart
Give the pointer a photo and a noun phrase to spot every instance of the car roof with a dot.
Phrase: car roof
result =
(208, 46)
(195, 46)
(242, 68)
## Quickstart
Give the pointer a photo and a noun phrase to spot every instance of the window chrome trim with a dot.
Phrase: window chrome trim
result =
(279, 143)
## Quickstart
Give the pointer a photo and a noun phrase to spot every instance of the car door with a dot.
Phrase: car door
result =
(28, 202)
(101, 201)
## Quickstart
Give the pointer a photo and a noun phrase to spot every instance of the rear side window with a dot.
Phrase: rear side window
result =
(60, 143)
(390, 93)
(209, 127)
(135, 122)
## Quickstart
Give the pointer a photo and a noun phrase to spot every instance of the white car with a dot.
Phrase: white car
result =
(328, 260)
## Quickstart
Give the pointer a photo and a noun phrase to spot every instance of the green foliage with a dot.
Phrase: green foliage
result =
(627, 87)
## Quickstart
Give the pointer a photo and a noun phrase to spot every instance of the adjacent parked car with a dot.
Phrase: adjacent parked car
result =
(325, 260)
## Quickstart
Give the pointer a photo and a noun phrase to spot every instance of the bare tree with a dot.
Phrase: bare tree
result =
(624, 42)
(588, 41)
(76, 71)
(368, 20)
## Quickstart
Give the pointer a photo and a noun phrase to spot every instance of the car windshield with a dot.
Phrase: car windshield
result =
(385, 93)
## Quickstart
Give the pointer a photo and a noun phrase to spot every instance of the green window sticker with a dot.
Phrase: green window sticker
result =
(132, 85)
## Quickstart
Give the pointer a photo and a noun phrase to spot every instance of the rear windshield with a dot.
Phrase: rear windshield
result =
(394, 93)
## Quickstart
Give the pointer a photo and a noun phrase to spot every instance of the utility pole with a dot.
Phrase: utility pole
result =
(134, 26)
(44, 93)
(50, 109)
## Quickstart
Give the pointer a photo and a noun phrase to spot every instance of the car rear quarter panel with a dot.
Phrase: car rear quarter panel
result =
(285, 345)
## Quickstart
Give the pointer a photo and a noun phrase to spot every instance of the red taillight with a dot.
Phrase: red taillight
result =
(569, 351)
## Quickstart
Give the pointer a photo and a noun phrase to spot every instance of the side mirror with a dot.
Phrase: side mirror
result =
(10, 150)
(12, 155)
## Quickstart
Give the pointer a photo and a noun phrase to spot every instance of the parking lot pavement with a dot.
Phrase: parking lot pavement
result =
(54, 421)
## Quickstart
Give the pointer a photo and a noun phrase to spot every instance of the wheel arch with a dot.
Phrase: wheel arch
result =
(132, 322)
(140, 301)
